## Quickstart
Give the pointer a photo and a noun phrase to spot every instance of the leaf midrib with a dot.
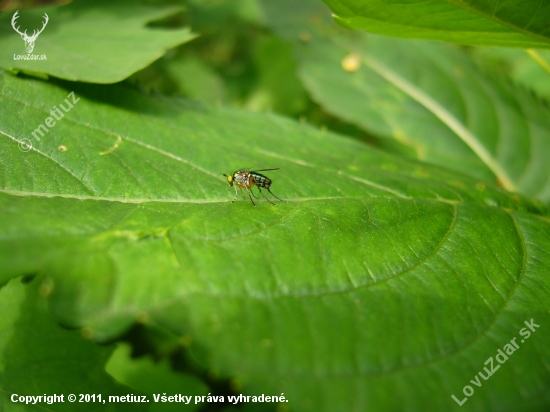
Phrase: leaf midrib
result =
(183, 200)
(446, 118)
(70, 172)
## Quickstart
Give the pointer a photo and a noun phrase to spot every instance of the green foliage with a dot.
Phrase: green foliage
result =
(383, 282)
(449, 113)
(100, 42)
(37, 357)
(476, 22)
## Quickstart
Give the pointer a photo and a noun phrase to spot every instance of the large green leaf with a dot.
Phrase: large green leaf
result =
(101, 42)
(429, 97)
(37, 357)
(477, 22)
(377, 276)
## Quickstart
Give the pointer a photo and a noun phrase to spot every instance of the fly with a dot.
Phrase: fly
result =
(248, 178)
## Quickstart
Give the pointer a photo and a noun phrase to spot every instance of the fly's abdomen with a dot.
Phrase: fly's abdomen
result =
(261, 180)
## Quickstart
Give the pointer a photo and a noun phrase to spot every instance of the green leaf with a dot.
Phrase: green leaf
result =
(100, 42)
(430, 98)
(378, 275)
(475, 22)
(37, 357)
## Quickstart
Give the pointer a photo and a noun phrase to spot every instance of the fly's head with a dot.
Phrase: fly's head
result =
(229, 179)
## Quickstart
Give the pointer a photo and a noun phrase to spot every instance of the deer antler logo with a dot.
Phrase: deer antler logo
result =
(29, 40)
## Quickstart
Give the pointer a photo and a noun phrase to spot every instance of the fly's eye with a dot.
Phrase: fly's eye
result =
(229, 179)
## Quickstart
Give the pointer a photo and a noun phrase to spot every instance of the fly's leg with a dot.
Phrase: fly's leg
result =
(256, 197)
(248, 190)
(265, 195)
(274, 195)
(236, 194)
(240, 190)
(249, 186)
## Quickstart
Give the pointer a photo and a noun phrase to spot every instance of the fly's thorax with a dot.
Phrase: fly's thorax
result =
(242, 178)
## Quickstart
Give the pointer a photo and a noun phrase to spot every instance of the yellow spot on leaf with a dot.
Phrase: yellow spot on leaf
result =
(351, 63)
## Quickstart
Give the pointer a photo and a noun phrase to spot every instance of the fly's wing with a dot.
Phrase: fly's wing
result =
(264, 170)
